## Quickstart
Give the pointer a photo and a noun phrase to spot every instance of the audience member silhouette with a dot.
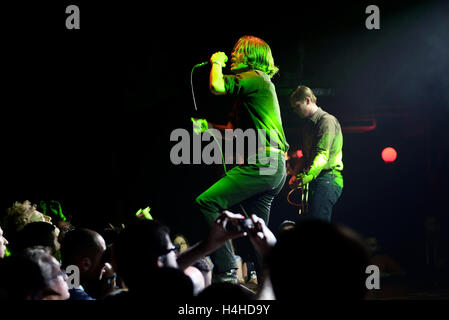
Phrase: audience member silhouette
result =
(33, 274)
(205, 265)
(285, 225)
(387, 266)
(225, 291)
(146, 245)
(85, 249)
(319, 260)
(181, 242)
(3, 244)
(38, 234)
(20, 214)
(197, 278)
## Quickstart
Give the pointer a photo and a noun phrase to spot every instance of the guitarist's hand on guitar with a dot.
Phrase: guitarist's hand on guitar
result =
(199, 125)
(303, 179)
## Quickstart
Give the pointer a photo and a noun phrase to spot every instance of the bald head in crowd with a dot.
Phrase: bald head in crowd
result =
(84, 248)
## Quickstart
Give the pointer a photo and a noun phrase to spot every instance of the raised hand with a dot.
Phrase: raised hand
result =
(219, 57)
(199, 125)
(261, 237)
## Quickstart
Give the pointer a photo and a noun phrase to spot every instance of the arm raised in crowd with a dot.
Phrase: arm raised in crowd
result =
(218, 235)
(261, 237)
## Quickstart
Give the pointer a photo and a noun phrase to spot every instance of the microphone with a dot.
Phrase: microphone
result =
(201, 64)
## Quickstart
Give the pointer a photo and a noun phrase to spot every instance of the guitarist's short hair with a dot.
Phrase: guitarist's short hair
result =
(301, 93)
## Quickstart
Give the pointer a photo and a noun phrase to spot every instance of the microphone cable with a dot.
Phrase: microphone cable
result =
(196, 109)
(215, 138)
(191, 80)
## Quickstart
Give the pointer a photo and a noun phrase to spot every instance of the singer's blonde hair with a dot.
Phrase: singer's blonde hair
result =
(256, 54)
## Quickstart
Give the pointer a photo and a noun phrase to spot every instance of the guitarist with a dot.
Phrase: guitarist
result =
(322, 142)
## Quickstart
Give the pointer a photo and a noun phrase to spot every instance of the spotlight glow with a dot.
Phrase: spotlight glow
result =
(389, 155)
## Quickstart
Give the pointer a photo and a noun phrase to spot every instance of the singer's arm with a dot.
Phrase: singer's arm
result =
(216, 81)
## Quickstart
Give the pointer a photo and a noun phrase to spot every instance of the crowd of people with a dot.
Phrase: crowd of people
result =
(54, 261)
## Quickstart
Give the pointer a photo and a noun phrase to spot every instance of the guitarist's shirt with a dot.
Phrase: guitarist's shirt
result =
(256, 106)
(322, 143)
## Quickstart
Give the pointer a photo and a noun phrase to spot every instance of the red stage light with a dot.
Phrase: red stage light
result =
(389, 154)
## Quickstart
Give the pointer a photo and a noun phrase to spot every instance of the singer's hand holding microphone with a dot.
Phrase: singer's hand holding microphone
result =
(199, 125)
(219, 58)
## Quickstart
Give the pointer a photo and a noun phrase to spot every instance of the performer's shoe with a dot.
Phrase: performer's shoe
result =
(228, 276)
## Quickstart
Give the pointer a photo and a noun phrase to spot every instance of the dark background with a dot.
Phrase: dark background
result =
(87, 114)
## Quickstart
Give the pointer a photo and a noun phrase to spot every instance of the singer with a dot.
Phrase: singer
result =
(256, 107)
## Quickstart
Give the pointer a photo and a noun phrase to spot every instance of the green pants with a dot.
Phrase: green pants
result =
(254, 186)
